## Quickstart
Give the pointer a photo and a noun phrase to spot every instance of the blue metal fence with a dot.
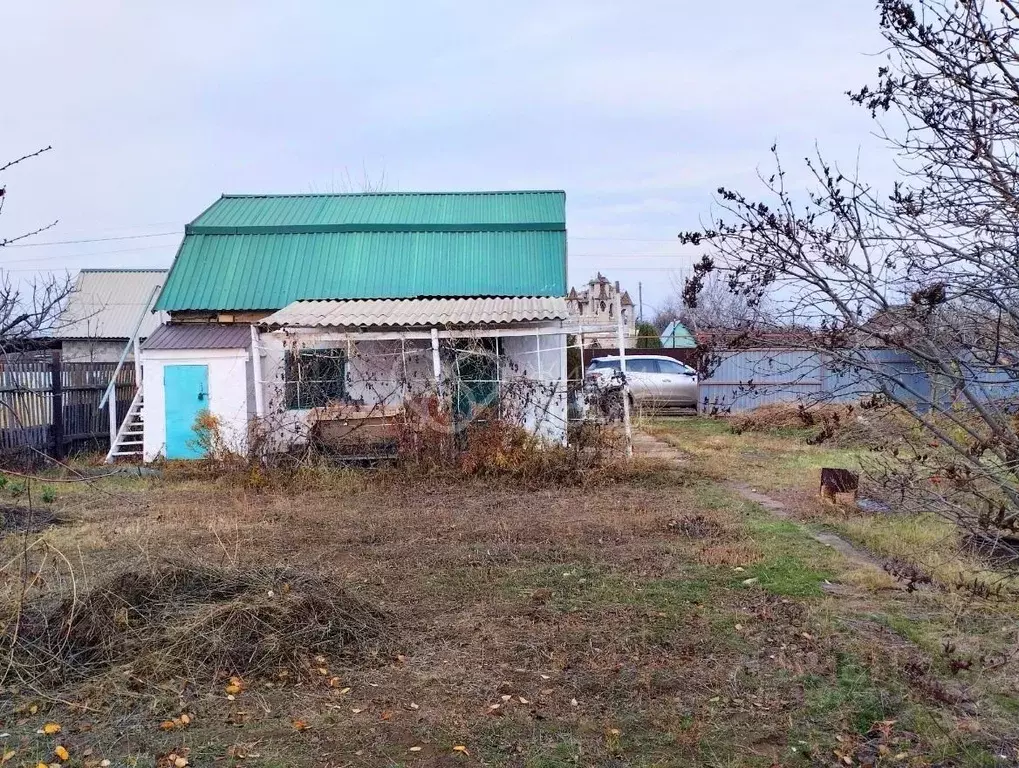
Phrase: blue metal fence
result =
(746, 379)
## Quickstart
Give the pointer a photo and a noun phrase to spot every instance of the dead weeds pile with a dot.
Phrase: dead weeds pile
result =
(843, 425)
(199, 622)
(774, 416)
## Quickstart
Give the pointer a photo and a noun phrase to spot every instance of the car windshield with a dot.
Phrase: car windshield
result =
(602, 365)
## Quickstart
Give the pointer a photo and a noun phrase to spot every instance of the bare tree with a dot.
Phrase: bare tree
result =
(29, 309)
(926, 274)
(714, 307)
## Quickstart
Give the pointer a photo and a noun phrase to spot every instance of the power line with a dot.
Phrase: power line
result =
(77, 256)
(89, 240)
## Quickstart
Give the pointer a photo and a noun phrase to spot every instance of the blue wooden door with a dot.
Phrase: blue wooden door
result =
(186, 389)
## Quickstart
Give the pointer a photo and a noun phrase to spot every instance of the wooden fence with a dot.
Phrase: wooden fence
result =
(52, 407)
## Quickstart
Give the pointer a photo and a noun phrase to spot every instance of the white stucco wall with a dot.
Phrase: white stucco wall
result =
(384, 371)
(230, 393)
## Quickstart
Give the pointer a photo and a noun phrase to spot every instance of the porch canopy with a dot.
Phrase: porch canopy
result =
(417, 313)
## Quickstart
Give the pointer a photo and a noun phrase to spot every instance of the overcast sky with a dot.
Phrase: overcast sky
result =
(638, 109)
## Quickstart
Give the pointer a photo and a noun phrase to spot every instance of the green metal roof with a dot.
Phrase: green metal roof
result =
(263, 252)
(676, 336)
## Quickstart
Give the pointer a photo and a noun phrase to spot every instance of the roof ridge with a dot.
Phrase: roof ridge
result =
(124, 269)
(459, 193)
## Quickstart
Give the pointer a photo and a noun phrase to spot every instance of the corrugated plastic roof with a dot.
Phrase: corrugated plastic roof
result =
(106, 304)
(199, 336)
(408, 313)
(262, 253)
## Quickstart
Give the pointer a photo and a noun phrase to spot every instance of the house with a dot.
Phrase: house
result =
(103, 311)
(676, 336)
(304, 314)
(593, 311)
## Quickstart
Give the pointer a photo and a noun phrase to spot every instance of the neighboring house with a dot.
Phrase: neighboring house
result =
(593, 311)
(103, 310)
(309, 312)
(676, 336)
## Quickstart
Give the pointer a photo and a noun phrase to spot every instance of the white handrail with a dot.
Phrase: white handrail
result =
(127, 347)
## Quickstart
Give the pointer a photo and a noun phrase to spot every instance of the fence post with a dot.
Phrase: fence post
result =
(57, 403)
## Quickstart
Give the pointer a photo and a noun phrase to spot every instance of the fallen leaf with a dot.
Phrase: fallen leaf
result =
(522, 700)
(545, 677)
(573, 702)
(320, 659)
(548, 691)
(462, 749)
(167, 725)
(241, 751)
(185, 718)
(105, 763)
(506, 697)
(414, 749)
(300, 725)
(7, 756)
(386, 715)
(748, 582)
(357, 711)
(33, 709)
(60, 752)
(41, 765)
(50, 728)
(232, 689)
(323, 670)
(344, 691)
(180, 762)
(738, 627)
(414, 706)
(231, 697)
(335, 682)
(401, 658)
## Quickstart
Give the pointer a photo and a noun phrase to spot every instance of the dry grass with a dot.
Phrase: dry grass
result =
(647, 617)
(191, 620)
(775, 416)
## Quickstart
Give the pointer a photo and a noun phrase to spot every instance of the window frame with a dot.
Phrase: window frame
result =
(301, 391)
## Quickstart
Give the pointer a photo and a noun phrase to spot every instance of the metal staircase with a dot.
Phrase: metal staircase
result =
(127, 437)
(130, 438)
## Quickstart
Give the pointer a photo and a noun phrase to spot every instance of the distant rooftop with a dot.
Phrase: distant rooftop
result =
(106, 304)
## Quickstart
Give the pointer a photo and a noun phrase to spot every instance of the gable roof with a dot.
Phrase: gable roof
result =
(264, 252)
(676, 336)
(106, 304)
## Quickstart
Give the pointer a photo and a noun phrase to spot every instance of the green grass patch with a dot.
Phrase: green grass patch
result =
(852, 697)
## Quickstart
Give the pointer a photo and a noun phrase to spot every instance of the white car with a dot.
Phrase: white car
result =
(654, 380)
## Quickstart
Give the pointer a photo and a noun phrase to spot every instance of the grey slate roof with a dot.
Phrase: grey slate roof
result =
(199, 336)
(106, 304)
(408, 313)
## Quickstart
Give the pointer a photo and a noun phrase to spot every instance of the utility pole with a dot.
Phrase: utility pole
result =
(622, 368)
(640, 302)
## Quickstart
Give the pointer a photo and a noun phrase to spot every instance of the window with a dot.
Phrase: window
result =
(672, 366)
(314, 377)
(603, 364)
(642, 365)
